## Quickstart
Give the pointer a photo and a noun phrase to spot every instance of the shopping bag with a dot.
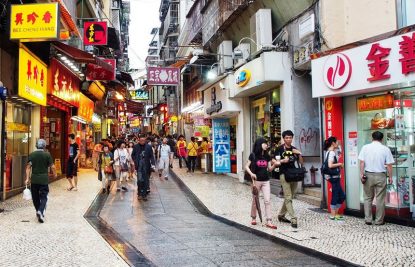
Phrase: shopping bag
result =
(27, 195)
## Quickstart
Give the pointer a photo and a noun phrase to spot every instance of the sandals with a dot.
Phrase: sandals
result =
(271, 226)
(70, 188)
(253, 222)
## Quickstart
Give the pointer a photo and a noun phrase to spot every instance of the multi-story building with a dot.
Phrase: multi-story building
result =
(364, 76)
(260, 92)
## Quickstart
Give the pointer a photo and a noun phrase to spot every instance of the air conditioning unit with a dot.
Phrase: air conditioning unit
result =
(241, 54)
(261, 28)
(225, 56)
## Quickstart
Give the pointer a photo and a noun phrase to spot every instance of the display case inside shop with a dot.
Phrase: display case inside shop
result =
(392, 114)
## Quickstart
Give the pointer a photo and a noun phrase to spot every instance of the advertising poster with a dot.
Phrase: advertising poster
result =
(221, 146)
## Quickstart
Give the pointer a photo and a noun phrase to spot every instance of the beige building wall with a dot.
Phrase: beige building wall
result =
(106, 9)
(347, 21)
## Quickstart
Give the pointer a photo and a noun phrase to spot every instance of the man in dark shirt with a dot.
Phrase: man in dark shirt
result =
(37, 174)
(288, 155)
(72, 166)
(144, 160)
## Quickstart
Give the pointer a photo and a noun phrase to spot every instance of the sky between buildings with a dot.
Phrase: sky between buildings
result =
(144, 16)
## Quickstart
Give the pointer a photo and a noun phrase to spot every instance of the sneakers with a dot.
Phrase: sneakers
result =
(124, 189)
(294, 225)
(40, 217)
(75, 189)
(283, 219)
(104, 190)
(339, 218)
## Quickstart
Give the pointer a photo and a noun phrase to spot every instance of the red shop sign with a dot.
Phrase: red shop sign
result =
(63, 83)
(333, 118)
(98, 73)
(95, 33)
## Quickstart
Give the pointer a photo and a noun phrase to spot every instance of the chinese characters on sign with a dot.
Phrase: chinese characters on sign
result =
(98, 73)
(64, 84)
(86, 108)
(139, 95)
(221, 146)
(375, 103)
(32, 77)
(379, 65)
(34, 21)
(163, 76)
(95, 33)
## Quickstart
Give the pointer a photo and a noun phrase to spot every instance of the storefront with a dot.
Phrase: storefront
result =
(63, 99)
(218, 105)
(371, 88)
(21, 117)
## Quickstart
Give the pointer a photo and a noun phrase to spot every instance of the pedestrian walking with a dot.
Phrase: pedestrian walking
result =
(95, 155)
(333, 176)
(373, 157)
(72, 164)
(105, 171)
(121, 162)
(172, 144)
(131, 164)
(181, 151)
(144, 162)
(164, 157)
(258, 166)
(288, 155)
(192, 148)
(37, 175)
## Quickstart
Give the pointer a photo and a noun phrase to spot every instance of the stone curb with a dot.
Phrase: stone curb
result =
(124, 249)
(205, 211)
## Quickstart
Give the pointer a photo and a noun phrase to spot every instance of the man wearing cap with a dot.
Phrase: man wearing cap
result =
(37, 174)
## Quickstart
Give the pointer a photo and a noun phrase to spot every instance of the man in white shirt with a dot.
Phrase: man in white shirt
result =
(164, 159)
(375, 160)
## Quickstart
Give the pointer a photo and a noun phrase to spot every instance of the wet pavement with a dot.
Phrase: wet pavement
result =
(168, 230)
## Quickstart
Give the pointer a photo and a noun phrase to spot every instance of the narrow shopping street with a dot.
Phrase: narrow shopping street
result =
(170, 231)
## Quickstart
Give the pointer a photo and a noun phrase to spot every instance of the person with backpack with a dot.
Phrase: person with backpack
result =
(105, 170)
(121, 165)
(331, 170)
(258, 166)
(288, 155)
(181, 151)
(164, 159)
(192, 149)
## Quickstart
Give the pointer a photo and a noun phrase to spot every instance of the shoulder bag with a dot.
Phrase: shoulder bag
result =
(296, 174)
(327, 170)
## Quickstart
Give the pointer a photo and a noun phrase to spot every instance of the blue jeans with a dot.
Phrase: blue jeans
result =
(337, 195)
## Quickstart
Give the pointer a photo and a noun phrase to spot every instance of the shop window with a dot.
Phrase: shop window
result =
(393, 115)
(405, 12)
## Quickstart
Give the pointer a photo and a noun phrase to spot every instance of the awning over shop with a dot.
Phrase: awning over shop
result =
(180, 63)
(81, 56)
(67, 18)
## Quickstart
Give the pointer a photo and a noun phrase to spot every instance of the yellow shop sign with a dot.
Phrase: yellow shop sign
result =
(33, 75)
(34, 21)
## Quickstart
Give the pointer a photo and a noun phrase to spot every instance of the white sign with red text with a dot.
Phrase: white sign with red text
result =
(378, 66)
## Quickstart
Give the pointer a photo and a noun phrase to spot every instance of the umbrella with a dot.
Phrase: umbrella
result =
(255, 193)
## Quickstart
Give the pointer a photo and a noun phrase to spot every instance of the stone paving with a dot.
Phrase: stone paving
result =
(351, 240)
(65, 239)
(169, 231)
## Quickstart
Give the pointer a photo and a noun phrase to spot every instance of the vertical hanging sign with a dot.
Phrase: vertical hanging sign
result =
(333, 120)
(221, 146)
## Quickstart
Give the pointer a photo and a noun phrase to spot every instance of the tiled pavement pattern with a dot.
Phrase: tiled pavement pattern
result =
(65, 239)
(169, 231)
(351, 240)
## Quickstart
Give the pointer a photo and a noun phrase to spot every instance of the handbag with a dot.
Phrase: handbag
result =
(108, 169)
(296, 174)
(325, 169)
